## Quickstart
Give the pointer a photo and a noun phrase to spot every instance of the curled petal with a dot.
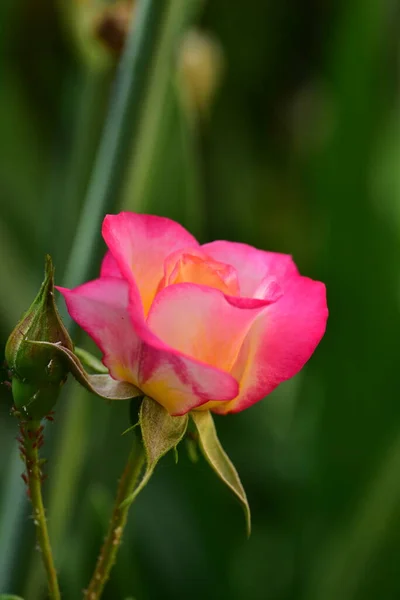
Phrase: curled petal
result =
(134, 354)
(200, 321)
(140, 244)
(194, 266)
(257, 269)
(177, 381)
(280, 341)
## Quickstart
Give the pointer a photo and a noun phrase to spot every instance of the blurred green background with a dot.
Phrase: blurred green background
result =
(276, 124)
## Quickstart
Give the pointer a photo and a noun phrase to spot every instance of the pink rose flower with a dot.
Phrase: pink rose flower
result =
(216, 326)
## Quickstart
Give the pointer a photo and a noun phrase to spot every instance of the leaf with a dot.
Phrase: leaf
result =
(219, 460)
(9, 597)
(160, 433)
(102, 385)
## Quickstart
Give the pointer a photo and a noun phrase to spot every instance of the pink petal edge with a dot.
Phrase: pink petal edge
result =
(201, 322)
(280, 342)
(109, 266)
(140, 243)
(252, 265)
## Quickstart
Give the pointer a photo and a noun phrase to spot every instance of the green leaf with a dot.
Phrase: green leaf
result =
(102, 385)
(219, 460)
(160, 433)
(10, 597)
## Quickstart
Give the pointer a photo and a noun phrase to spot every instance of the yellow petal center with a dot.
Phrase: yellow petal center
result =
(200, 269)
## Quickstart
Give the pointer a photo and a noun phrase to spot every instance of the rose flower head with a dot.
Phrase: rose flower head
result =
(197, 327)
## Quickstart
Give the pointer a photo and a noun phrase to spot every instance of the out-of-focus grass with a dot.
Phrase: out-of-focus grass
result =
(300, 154)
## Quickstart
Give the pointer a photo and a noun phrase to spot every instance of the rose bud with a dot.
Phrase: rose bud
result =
(38, 372)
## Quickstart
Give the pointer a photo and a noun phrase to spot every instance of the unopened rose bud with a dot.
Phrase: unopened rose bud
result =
(112, 25)
(200, 67)
(200, 59)
(38, 372)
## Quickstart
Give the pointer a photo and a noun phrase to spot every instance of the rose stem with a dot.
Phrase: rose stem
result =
(112, 542)
(31, 441)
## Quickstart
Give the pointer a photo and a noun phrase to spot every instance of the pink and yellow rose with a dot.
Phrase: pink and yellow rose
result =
(215, 326)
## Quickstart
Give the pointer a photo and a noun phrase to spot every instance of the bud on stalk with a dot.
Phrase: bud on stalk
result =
(38, 372)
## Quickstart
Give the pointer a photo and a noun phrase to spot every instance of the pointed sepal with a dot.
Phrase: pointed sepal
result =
(102, 385)
(90, 361)
(160, 433)
(218, 459)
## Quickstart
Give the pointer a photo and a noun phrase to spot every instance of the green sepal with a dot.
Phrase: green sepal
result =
(37, 373)
(218, 459)
(90, 361)
(160, 434)
(134, 409)
(102, 385)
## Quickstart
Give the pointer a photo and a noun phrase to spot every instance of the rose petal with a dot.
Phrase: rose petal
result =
(178, 382)
(133, 353)
(200, 321)
(109, 266)
(255, 268)
(281, 340)
(194, 266)
(100, 307)
(140, 243)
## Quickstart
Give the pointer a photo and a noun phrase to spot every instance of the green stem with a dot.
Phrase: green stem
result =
(112, 542)
(32, 438)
